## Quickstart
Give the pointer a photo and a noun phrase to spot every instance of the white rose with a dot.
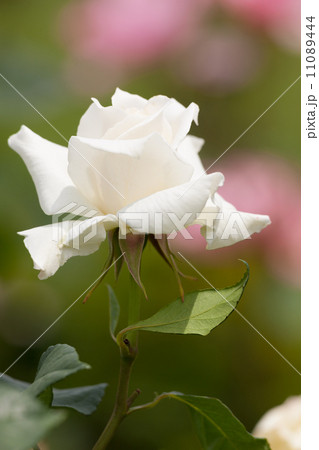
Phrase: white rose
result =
(281, 425)
(129, 160)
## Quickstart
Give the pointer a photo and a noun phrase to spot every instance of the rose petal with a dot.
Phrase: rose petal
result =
(188, 152)
(125, 100)
(117, 173)
(160, 114)
(162, 212)
(171, 120)
(47, 163)
(224, 225)
(138, 125)
(52, 245)
(97, 120)
(182, 121)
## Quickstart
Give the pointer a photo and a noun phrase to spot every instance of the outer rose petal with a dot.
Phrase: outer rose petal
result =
(188, 151)
(223, 225)
(116, 173)
(51, 246)
(155, 214)
(98, 119)
(47, 163)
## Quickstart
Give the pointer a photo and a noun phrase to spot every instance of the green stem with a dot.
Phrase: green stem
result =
(128, 352)
(121, 403)
(134, 310)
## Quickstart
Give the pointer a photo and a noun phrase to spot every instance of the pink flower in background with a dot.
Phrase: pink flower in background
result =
(263, 183)
(220, 60)
(280, 18)
(119, 38)
(129, 32)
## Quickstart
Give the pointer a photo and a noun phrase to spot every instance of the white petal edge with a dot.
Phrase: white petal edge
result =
(223, 225)
(124, 100)
(50, 246)
(183, 123)
(48, 165)
(188, 151)
(164, 211)
(98, 119)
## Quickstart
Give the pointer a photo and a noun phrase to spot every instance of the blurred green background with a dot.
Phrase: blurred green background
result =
(233, 363)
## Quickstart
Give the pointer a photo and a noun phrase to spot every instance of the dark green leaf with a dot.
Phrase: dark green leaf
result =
(200, 312)
(56, 363)
(216, 425)
(23, 419)
(83, 399)
(114, 309)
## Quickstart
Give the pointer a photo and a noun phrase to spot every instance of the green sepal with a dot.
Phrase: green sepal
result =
(161, 245)
(132, 246)
(118, 261)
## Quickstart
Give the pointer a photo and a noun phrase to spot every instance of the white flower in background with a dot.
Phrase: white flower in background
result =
(281, 425)
(131, 160)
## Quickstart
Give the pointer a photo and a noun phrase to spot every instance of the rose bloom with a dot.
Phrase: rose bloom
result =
(281, 425)
(129, 162)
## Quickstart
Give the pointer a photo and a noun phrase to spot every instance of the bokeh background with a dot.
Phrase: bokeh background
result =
(233, 58)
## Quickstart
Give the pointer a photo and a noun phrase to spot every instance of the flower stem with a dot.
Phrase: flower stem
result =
(128, 353)
(134, 310)
(121, 405)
